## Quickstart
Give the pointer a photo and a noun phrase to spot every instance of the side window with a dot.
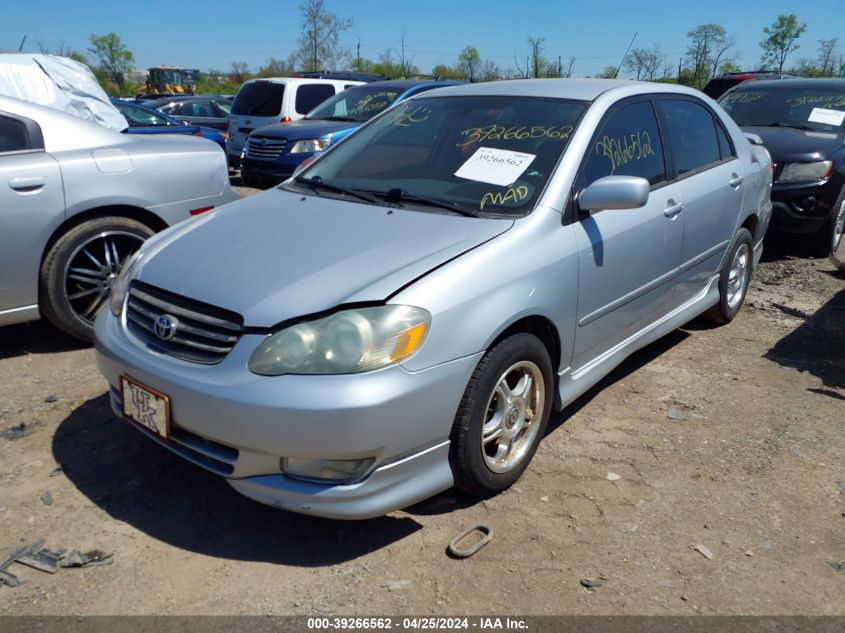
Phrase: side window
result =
(13, 136)
(309, 96)
(725, 148)
(692, 134)
(628, 144)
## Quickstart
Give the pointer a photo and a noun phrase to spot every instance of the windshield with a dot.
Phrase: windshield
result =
(809, 107)
(355, 104)
(486, 155)
(140, 117)
(259, 98)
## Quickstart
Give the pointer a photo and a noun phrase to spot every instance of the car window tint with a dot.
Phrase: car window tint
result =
(224, 106)
(692, 134)
(13, 136)
(259, 98)
(309, 96)
(725, 148)
(628, 144)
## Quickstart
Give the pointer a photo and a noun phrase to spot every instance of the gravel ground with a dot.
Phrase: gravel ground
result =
(729, 439)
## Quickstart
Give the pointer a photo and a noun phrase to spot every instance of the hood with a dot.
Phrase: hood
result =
(787, 144)
(280, 255)
(305, 129)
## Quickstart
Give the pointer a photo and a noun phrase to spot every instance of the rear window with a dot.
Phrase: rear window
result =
(259, 98)
(309, 96)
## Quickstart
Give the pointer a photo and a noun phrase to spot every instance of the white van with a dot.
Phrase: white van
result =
(261, 102)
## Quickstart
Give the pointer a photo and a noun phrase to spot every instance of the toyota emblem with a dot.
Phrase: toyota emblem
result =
(166, 326)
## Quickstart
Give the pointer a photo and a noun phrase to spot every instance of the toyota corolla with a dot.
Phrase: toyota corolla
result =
(404, 315)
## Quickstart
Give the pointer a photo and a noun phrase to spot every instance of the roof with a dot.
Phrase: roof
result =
(802, 83)
(406, 84)
(577, 89)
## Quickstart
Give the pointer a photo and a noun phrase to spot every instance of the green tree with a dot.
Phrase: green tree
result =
(318, 46)
(609, 72)
(827, 56)
(780, 40)
(538, 62)
(469, 63)
(445, 72)
(115, 59)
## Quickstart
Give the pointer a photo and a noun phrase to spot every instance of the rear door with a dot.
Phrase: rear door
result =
(627, 258)
(258, 103)
(32, 205)
(712, 183)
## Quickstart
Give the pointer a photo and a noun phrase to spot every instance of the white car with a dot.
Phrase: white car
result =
(261, 102)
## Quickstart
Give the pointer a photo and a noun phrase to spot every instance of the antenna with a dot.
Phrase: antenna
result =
(23, 41)
(619, 67)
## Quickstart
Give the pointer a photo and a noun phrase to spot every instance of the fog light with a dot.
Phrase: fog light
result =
(326, 470)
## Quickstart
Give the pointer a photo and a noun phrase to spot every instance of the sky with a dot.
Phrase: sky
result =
(210, 34)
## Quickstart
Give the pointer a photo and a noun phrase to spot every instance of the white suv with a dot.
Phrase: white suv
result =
(261, 102)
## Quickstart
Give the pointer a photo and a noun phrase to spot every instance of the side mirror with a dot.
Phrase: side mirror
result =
(614, 192)
(754, 139)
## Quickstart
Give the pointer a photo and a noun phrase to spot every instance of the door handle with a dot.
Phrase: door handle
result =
(674, 209)
(27, 185)
(735, 180)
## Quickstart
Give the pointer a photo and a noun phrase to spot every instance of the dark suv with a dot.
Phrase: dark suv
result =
(718, 86)
(802, 124)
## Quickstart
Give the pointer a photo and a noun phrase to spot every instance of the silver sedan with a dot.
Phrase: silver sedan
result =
(77, 199)
(404, 314)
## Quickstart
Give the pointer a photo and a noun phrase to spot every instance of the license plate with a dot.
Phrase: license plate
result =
(146, 406)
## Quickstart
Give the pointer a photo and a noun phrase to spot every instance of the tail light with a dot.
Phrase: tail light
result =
(200, 210)
(285, 119)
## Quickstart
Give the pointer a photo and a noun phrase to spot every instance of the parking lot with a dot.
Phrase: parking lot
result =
(728, 438)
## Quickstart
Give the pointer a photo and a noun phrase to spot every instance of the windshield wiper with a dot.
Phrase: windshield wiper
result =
(398, 196)
(797, 127)
(317, 183)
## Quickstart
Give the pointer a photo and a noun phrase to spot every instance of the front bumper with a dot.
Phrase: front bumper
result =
(274, 171)
(240, 425)
(803, 208)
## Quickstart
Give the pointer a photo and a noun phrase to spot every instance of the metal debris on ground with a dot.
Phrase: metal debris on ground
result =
(49, 561)
(703, 550)
(458, 552)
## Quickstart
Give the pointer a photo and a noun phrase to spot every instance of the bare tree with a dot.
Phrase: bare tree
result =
(704, 40)
(405, 60)
(490, 71)
(240, 72)
(827, 56)
(538, 62)
(318, 46)
(524, 72)
(722, 54)
(644, 63)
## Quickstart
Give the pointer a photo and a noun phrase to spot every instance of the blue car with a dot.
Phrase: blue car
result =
(144, 120)
(272, 153)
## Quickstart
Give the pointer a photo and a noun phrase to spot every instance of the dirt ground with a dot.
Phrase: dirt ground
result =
(731, 438)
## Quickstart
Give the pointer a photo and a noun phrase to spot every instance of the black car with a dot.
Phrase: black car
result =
(802, 124)
(208, 111)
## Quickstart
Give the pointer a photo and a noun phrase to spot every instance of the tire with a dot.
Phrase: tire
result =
(734, 279)
(828, 238)
(485, 469)
(80, 268)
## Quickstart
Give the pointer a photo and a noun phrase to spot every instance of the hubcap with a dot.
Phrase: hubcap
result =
(738, 276)
(838, 228)
(514, 411)
(92, 270)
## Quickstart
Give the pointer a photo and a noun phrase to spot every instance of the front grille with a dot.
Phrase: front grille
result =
(265, 148)
(202, 333)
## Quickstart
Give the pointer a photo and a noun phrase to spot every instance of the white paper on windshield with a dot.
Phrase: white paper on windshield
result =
(823, 115)
(495, 166)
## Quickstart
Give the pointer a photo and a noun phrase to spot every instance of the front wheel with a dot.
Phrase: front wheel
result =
(502, 417)
(829, 237)
(79, 270)
(734, 279)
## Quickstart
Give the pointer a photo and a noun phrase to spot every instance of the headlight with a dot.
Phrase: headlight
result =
(347, 342)
(121, 285)
(805, 172)
(310, 145)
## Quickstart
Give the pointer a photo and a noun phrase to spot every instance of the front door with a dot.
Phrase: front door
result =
(627, 258)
